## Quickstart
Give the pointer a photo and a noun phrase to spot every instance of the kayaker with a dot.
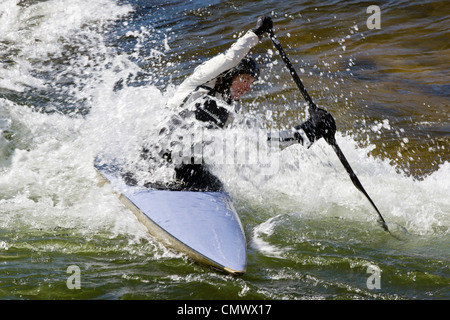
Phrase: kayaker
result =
(211, 92)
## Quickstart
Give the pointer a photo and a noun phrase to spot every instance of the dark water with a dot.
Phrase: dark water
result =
(82, 77)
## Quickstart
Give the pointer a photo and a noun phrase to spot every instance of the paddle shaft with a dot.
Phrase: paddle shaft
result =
(356, 181)
(312, 108)
(298, 82)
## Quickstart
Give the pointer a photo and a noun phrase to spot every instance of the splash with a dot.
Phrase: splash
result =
(261, 238)
(46, 157)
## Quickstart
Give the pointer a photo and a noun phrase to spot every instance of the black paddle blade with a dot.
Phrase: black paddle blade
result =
(356, 181)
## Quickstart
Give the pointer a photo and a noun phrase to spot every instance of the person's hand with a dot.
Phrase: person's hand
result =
(263, 25)
(321, 124)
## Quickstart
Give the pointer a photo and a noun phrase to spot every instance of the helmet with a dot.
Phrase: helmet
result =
(247, 65)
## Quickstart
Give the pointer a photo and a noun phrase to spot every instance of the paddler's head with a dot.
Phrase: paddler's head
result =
(239, 79)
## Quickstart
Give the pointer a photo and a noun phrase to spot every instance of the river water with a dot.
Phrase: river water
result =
(81, 77)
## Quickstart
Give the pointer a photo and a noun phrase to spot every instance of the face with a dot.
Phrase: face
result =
(240, 85)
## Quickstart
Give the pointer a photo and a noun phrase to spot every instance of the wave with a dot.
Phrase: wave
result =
(46, 157)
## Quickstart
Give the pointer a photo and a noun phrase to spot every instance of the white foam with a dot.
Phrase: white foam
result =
(314, 183)
(260, 242)
(37, 32)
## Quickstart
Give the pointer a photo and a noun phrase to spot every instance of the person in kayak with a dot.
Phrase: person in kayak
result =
(211, 93)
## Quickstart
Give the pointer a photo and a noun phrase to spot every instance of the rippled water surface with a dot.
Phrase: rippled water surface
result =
(82, 77)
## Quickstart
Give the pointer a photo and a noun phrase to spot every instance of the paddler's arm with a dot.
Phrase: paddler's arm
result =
(287, 138)
(211, 69)
(321, 124)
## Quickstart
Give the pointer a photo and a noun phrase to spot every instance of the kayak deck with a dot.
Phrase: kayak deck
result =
(202, 225)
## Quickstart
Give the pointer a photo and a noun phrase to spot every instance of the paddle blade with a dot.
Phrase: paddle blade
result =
(356, 181)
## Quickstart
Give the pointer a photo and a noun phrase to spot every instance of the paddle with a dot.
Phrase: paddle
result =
(313, 108)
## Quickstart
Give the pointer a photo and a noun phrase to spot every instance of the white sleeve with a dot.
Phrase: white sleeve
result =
(212, 68)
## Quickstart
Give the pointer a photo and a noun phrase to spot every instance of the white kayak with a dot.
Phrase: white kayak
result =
(202, 225)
